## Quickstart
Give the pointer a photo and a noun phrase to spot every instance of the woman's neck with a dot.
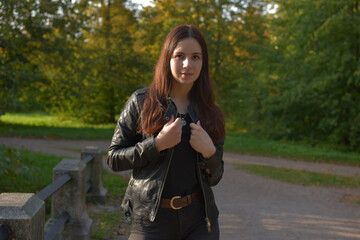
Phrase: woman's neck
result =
(180, 97)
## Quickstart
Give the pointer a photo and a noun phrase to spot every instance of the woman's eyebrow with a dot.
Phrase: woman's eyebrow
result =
(180, 52)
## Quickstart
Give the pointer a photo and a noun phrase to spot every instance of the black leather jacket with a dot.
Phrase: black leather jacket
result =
(131, 150)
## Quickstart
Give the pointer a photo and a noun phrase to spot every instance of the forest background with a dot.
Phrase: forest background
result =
(288, 74)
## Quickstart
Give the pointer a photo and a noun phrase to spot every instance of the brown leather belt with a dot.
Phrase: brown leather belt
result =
(179, 202)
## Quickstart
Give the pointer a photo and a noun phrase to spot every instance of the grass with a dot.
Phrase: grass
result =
(110, 221)
(107, 224)
(25, 171)
(115, 185)
(240, 143)
(301, 177)
(43, 125)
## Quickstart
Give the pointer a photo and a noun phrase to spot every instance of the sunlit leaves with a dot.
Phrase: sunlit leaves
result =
(318, 44)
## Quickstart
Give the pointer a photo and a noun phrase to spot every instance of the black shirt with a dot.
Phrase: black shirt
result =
(182, 177)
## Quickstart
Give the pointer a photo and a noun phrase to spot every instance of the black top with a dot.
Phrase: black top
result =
(182, 176)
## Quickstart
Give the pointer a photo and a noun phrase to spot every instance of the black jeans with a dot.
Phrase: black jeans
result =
(187, 223)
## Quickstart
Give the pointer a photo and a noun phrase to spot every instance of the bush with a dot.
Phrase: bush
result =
(14, 170)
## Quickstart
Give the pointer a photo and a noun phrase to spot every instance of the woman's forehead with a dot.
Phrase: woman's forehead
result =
(188, 45)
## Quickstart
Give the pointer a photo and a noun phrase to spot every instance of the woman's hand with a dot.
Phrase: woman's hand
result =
(201, 141)
(170, 134)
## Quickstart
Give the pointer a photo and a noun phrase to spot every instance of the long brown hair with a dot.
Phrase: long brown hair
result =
(201, 94)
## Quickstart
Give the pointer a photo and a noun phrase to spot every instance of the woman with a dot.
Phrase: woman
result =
(171, 136)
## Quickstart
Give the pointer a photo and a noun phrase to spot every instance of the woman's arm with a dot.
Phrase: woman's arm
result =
(214, 165)
(127, 149)
(211, 154)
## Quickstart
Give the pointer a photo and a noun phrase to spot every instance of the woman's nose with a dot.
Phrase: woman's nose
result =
(186, 63)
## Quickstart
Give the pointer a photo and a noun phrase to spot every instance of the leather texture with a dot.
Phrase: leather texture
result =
(179, 202)
(132, 150)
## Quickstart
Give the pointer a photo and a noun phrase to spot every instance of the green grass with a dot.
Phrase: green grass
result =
(45, 119)
(240, 143)
(43, 125)
(115, 184)
(108, 224)
(28, 171)
(111, 221)
(105, 224)
(25, 171)
(301, 177)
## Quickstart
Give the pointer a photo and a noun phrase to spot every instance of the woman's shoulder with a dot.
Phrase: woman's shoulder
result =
(137, 98)
(138, 95)
(141, 91)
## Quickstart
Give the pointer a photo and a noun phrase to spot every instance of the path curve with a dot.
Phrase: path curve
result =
(258, 208)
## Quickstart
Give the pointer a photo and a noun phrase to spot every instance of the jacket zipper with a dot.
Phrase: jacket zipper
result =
(163, 183)
(207, 220)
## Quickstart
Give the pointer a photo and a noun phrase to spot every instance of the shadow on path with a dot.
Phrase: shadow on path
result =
(257, 208)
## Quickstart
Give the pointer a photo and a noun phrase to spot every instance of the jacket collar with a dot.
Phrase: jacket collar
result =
(172, 110)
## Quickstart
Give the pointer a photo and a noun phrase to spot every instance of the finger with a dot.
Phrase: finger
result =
(177, 121)
(198, 123)
(194, 126)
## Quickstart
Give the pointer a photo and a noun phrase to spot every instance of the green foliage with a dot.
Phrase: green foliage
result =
(233, 30)
(310, 88)
(302, 177)
(292, 75)
(22, 24)
(12, 168)
(24, 171)
(91, 75)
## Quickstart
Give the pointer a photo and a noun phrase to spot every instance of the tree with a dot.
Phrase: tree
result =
(234, 30)
(314, 72)
(23, 25)
(117, 68)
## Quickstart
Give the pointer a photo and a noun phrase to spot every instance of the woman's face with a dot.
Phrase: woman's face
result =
(186, 61)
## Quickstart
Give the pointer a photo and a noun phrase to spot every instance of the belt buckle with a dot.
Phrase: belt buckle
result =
(172, 203)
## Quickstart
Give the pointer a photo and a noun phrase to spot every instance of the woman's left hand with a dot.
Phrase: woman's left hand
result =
(201, 141)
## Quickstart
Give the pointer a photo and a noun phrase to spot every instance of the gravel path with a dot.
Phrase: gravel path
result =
(257, 208)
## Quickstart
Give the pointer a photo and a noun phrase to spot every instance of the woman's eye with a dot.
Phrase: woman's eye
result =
(196, 57)
(178, 56)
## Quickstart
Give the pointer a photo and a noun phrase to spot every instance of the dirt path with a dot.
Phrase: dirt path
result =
(257, 208)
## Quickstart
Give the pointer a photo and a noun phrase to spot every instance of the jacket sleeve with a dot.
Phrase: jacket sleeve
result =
(127, 149)
(215, 164)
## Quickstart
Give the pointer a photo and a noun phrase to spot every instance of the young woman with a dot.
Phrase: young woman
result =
(171, 136)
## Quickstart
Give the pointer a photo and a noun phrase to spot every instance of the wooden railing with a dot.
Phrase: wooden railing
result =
(22, 215)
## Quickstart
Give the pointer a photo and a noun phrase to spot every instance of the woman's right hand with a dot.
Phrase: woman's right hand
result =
(170, 134)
